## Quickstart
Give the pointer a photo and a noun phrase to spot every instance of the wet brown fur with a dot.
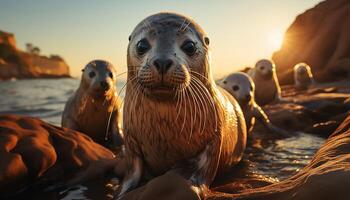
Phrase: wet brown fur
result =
(90, 115)
(163, 134)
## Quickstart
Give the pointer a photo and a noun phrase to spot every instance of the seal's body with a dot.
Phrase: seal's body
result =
(242, 88)
(303, 77)
(175, 115)
(267, 86)
(93, 108)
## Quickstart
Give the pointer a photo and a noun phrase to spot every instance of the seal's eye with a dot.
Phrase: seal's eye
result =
(262, 67)
(224, 82)
(189, 48)
(92, 74)
(235, 87)
(142, 47)
(110, 75)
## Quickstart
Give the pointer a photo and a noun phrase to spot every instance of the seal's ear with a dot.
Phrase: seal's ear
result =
(206, 40)
(129, 37)
(83, 70)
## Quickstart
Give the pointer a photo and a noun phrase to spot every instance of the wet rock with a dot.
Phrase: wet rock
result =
(323, 128)
(32, 150)
(290, 116)
(316, 110)
(326, 177)
(241, 184)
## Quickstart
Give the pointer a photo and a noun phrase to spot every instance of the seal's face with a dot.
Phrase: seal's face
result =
(265, 68)
(241, 86)
(99, 78)
(163, 51)
(302, 70)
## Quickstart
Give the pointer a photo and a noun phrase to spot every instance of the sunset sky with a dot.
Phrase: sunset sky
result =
(240, 31)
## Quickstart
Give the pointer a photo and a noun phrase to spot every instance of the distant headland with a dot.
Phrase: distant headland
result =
(19, 64)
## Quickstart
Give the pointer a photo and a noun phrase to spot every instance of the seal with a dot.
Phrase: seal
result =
(267, 86)
(175, 116)
(242, 88)
(94, 107)
(303, 77)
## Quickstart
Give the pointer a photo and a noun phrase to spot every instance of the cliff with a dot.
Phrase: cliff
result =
(319, 37)
(15, 63)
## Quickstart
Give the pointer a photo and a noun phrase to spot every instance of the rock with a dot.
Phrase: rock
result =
(323, 128)
(327, 176)
(19, 64)
(319, 37)
(241, 184)
(32, 150)
(315, 110)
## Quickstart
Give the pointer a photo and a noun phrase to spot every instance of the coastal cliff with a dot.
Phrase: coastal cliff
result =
(319, 37)
(15, 63)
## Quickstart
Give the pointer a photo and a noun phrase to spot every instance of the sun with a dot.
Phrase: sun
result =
(275, 40)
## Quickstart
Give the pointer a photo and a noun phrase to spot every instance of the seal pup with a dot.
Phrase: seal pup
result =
(174, 113)
(242, 88)
(303, 77)
(267, 86)
(93, 108)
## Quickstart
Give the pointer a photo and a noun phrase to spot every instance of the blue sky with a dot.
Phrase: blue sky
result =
(240, 31)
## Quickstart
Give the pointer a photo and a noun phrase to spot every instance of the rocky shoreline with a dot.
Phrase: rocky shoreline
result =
(18, 64)
(37, 154)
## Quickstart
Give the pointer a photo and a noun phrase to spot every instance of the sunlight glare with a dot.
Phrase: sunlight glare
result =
(275, 40)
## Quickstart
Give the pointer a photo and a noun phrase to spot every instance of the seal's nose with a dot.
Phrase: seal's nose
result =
(248, 97)
(104, 85)
(162, 65)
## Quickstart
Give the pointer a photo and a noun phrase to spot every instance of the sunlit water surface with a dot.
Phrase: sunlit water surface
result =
(45, 98)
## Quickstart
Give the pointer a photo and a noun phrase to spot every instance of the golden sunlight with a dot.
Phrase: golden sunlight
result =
(275, 40)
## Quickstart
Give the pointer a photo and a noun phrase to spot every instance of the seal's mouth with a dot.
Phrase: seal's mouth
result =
(301, 72)
(99, 93)
(162, 88)
(161, 91)
(268, 75)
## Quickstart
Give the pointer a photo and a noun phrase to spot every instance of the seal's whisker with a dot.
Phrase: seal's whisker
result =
(109, 119)
(134, 94)
(205, 97)
(179, 110)
(121, 74)
(123, 87)
(209, 98)
(183, 23)
(134, 100)
(148, 25)
(137, 97)
(184, 119)
(201, 75)
(203, 105)
(176, 97)
(191, 112)
(193, 115)
(184, 29)
(202, 108)
(212, 100)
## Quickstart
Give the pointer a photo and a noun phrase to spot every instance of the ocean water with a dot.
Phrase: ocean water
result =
(45, 98)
